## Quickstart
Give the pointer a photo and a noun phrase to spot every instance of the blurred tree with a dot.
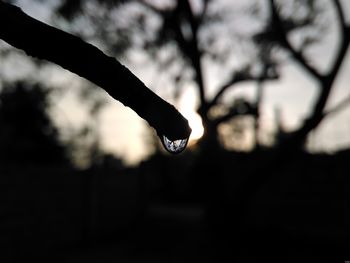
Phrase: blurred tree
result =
(42, 41)
(184, 37)
(179, 36)
(301, 20)
(27, 133)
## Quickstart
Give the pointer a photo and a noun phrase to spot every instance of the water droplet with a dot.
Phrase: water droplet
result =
(174, 147)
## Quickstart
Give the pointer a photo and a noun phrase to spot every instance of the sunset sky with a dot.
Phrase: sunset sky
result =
(124, 133)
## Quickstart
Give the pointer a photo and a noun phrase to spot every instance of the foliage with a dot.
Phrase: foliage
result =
(188, 40)
(184, 42)
(27, 132)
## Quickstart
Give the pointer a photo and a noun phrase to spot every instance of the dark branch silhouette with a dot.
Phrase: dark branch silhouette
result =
(325, 80)
(280, 32)
(340, 106)
(180, 24)
(237, 77)
(243, 109)
(70, 52)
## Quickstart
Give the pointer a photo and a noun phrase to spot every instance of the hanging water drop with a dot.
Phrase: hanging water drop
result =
(174, 147)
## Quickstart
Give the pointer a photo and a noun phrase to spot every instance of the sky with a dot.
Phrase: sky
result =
(125, 134)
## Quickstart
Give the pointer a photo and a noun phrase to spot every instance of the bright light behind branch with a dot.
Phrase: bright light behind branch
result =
(196, 125)
(187, 108)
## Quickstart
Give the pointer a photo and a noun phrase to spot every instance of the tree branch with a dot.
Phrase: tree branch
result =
(277, 23)
(222, 90)
(149, 6)
(341, 105)
(236, 78)
(344, 44)
(328, 80)
(245, 109)
(340, 13)
(297, 138)
(195, 55)
(204, 11)
(45, 42)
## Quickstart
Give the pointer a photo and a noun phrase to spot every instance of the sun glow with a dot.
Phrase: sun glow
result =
(195, 123)
(187, 105)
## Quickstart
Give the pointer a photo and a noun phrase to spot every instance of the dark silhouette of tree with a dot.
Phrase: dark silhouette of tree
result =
(27, 133)
(188, 31)
(45, 42)
(229, 183)
(278, 33)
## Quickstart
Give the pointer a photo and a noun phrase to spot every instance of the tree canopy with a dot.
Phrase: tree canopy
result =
(27, 132)
(249, 45)
(184, 37)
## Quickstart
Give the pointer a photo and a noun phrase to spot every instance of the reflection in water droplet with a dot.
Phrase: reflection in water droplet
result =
(176, 146)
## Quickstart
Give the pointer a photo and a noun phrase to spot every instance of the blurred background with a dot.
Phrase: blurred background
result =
(264, 86)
